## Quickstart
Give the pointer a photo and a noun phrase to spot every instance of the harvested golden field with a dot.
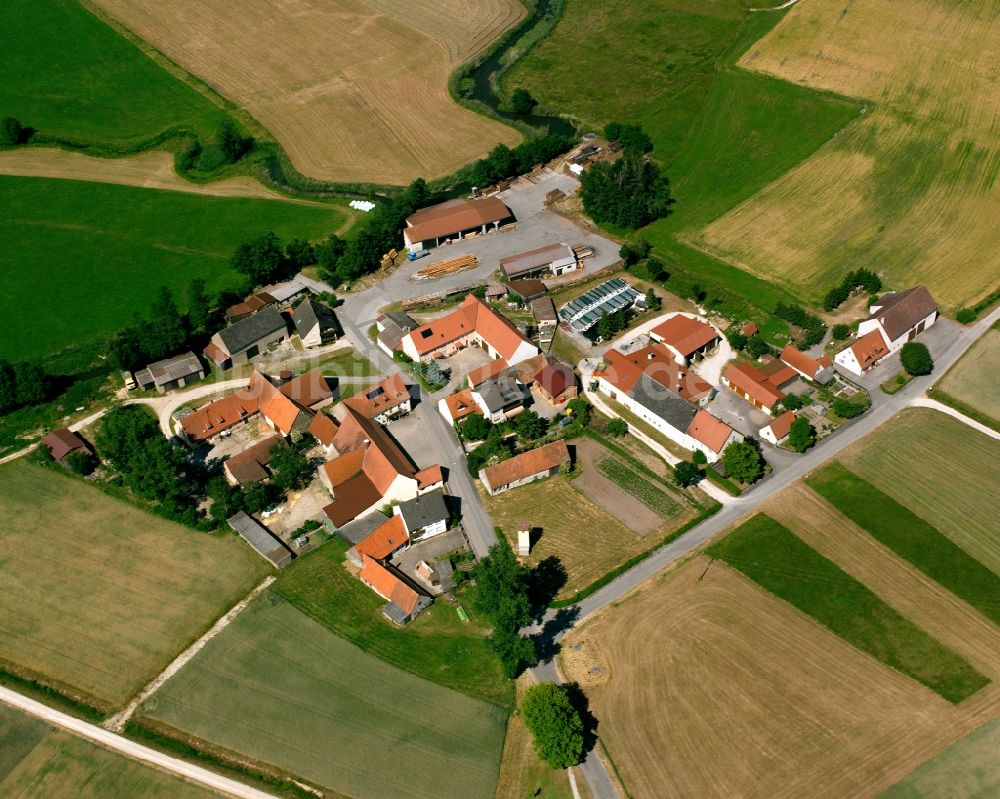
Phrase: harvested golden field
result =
(948, 476)
(587, 539)
(910, 190)
(973, 384)
(705, 685)
(97, 596)
(150, 170)
(355, 90)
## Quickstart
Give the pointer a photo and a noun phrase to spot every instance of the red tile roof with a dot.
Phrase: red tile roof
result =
(220, 415)
(527, 464)
(781, 425)
(387, 585)
(380, 397)
(472, 316)
(215, 353)
(281, 411)
(385, 539)
(750, 329)
(555, 378)
(248, 465)
(62, 442)
(323, 428)
(752, 381)
(802, 363)
(454, 216)
(486, 372)
(869, 348)
(684, 334)
(712, 432)
(353, 497)
(461, 404)
(776, 372)
(308, 389)
(624, 370)
(430, 476)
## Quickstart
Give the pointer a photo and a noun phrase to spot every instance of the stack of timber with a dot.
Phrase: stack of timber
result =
(442, 268)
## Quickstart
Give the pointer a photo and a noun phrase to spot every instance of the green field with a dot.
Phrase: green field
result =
(948, 476)
(969, 769)
(972, 386)
(652, 496)
(39, 761)
(721, 133)
(910, 537)
(778, 561)
(70, 76)
(435, 646)
(81, 258)
(97, 596)
(282, 689)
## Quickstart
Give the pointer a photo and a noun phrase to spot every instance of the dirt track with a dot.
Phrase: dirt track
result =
(152, 170)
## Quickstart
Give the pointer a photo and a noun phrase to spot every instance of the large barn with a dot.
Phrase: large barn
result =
(431, 226)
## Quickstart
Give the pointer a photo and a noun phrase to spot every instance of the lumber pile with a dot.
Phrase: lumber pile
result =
(449, 267)
(388, 259)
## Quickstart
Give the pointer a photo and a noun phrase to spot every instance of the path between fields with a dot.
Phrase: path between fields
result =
(786, 4)
(117, 722)
(927, 402)
(131, 749)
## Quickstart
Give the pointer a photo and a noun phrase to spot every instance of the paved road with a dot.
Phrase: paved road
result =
(555, 624)
(440, 442)
(131, 748)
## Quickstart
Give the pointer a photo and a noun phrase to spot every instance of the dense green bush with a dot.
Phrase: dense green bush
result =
(629, 193)
(554, 723)
(916, 358)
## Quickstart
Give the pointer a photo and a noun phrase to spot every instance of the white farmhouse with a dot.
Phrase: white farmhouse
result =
(895, 319)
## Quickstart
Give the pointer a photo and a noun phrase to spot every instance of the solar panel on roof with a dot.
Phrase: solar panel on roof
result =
(375, 392)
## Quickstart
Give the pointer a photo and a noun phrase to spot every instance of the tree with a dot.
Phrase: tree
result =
(579, 409)
(514, 651)
(802, 435)
(199, 305)
(840, 332)
(299, 253)
(502, 587)
(742, 462)
(756, 346)
(633, 252)
(475, 427)
(699, 457)
(686, 473)
(8, 387)
(846, 409)
(31, 384)
(290, 469)
(653, 302)
(529, 426)
(635, 141)
(81, 463)
(617, 427)
(261, 259)
(12, 132)
(791, 402)
(165, 333)
(434, 375)
(628, 193)
(231, 144)
(656, 270)
(554, 723)
(522, 103)
(736, 339)
(916, 358)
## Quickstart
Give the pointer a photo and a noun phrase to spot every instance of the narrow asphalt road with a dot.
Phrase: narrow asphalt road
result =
(556, 624)
(131, 749)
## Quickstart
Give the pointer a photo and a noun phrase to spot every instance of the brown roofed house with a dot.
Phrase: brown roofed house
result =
(386, 400)
(525, 468)
(686, 338)
(251, 465)
(753, 385)
(712, 433)
(62, 442)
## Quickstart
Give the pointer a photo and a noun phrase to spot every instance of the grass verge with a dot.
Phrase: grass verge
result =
(914, 540)
(774, 558)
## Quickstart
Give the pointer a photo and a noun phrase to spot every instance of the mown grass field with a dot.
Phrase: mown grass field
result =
(436, 645)
(722, 134)
(774, 558)
(69, 75)
(354, 92)
(948, 476)
(587, 538)
(910, 537)
(39, 761)
(968, 769)
(912, 189)
(102, 251)
(282, 689)
(96, 596)
(708, 685)
(972, 385)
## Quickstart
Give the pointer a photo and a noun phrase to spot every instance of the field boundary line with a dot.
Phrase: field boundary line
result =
(118, 721)
(129, 748)
(926, 402)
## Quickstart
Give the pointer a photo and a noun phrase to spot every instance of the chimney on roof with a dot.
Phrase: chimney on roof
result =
(650, 356)
(284, 376)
